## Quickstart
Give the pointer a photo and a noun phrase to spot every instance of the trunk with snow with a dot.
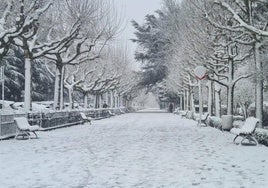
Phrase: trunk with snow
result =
(119, 100)
(61, 89)
(27, 87)
(192, 107)
(181, 99)
(58, 102)
(259, 86)
(184, 100)
(210, 97)
(217, 100)
(107, 97)
(85, 100)
(187, 99)
(200, 98)
(100, 101)
(230, 88)
(112, 99)
(244, 109)
(95, 101)
(70, 95)
(230, 100)
(115, 100)
(56, 90)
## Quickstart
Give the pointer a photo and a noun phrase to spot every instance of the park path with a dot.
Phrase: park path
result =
(139, 150)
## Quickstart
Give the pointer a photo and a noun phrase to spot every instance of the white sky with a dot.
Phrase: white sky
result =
(136, 10)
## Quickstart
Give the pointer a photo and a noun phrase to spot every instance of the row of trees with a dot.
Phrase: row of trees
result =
(228, 37)
(65, 45)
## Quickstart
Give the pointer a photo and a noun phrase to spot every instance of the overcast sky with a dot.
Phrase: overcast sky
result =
(136, 10)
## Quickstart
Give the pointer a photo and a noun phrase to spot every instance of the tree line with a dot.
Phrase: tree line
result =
(52, 49)
(229, 38)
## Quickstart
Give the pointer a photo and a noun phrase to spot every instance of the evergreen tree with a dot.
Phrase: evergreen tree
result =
(153, 45)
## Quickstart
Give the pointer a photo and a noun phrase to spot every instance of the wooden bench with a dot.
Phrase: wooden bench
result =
(111, 113)
(85, 118)
(246, 131)
(24, 128)
(183, 114)
(176, 111)
(204, 118)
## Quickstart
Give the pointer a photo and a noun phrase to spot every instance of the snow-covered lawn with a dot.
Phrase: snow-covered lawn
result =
(133, 150)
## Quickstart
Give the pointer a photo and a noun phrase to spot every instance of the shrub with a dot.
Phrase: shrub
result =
(214, 121)
(262, 136)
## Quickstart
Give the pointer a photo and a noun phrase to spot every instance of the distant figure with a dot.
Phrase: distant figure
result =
(170, 108)
(104, 105)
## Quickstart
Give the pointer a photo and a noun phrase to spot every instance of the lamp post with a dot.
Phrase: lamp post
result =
(200, 74)
(2, 79)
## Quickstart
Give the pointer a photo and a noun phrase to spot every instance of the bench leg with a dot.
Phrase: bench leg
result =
(235, 138)
(17, 134)
(35, 134)
(253, 139)
(250, 139)
(23, 134)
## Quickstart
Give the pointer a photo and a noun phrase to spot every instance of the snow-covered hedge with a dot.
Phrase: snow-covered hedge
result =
(252, 112)
(52, 120)
(66, 118)
(214, 121)
(262, 136)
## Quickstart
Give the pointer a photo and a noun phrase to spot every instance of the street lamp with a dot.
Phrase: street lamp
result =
(200, 74)
(2, 79)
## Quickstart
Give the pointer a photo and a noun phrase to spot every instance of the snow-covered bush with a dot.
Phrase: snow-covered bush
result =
(252, 112)
(190, 115)
(214, 121)
(262, 136)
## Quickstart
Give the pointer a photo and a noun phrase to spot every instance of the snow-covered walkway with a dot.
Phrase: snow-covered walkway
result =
(133, 150)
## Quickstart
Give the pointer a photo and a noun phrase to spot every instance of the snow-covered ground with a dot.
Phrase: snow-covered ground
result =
(152, 110)
(133, 150)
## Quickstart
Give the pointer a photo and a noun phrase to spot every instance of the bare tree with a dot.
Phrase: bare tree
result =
(98, 25)
(249, 19)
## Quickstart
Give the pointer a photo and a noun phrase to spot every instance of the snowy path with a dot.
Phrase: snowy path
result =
(133, 150)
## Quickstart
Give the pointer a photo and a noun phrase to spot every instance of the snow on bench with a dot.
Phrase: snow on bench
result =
(246, 131)
(24, 128)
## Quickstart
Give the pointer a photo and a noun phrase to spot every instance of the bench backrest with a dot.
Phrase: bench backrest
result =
(184, 113)
(250, 124)
(205, 116)
(83, 115)
(22, 122)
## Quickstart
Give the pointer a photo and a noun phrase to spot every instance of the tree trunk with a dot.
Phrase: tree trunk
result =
(244, 110)
(58, 87)
(210, 97)
(259, 85)
(230, 88)
(61, 89)
(85, 100)
(192, 107)
(112, 99)
(96, 101)
(184, 100)
(230, 99)
(70, 94)
(187, 99)
(57, 90)
(200, 98)
(100, 101)
(217, 100)
(115, 100)
(106, 97)
(27, 87)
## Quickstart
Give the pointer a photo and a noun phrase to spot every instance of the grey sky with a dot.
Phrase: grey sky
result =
(136, 10)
